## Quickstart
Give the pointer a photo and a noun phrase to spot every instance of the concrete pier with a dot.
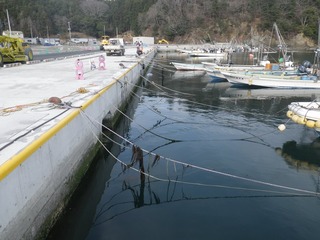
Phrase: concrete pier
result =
(46, 143)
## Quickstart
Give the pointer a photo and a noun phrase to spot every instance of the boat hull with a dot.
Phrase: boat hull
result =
(270, 81)
(305, 113)
(188, 67)
(216, 76)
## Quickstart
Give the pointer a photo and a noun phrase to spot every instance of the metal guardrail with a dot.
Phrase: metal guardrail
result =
(38, 50)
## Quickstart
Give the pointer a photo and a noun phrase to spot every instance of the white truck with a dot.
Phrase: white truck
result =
(115, 47)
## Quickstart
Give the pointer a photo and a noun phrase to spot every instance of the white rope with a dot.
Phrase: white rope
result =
(190, 101)
(200, 168)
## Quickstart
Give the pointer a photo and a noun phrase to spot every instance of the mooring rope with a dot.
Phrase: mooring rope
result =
(188, 100)
(164, 116)
(162, 87)
(197, 123)
(192, 166)
(32, 130)
(147, 130)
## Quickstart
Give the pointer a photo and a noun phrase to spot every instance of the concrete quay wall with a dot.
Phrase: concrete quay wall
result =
(36, 183)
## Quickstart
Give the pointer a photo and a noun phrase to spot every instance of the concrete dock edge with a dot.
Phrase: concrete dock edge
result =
(37, 183)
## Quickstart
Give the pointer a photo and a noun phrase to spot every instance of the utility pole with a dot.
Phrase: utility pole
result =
(69, 29)
(48, 33)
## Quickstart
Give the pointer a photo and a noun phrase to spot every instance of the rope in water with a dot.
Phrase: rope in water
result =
(194, 102)
(191, 101)
(192, 166)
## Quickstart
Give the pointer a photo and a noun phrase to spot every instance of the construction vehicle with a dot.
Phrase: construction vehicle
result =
(14, 50)
(104, 41)
(163, 41)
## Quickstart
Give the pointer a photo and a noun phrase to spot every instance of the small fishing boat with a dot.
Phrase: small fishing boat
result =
(308, 113)
(188, 66)
(209, 65)
(208, 54)
(216, 76)
(214, 69)
(284, 80)
(305, 113)
(204, 52)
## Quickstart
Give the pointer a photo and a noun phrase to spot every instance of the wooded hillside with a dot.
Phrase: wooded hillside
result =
(180, 21)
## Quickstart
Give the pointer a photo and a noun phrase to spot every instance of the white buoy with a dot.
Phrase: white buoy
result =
(282, 127)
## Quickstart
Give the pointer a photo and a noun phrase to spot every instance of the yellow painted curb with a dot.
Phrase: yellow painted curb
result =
(13, 162)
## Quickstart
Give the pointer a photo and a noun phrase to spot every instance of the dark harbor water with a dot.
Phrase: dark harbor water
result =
(224, 170)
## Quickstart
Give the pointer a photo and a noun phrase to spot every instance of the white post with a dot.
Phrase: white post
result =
(9, 23)
(69, 29)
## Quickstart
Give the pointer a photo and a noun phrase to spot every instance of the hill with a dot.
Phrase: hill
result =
(179, 21)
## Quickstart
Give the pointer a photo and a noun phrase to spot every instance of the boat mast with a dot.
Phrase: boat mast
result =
(282, 45)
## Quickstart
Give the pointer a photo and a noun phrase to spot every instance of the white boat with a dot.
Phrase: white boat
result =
(204, 52)
(305, 113)
(209, 65)
(216, 76)
(214, 69)
(240, 68)
(188, 66)
(273, 81)
(208, 54)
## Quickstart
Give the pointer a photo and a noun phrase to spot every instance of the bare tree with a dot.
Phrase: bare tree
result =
(94, 8)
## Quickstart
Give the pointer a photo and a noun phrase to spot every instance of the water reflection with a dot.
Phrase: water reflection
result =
(187, 74)
(150, 191)
(268, 93)
(221, 87)
(301, 156)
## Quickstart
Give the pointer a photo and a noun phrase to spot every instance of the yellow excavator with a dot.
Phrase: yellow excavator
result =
(163, 41)
(104, 41)
(14, 50)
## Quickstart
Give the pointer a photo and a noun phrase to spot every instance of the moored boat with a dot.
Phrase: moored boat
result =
(208, 54)
(308, 113)
(273, 81)
(188, 66)
(214, 69)
(305, 113)
(216, 76)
